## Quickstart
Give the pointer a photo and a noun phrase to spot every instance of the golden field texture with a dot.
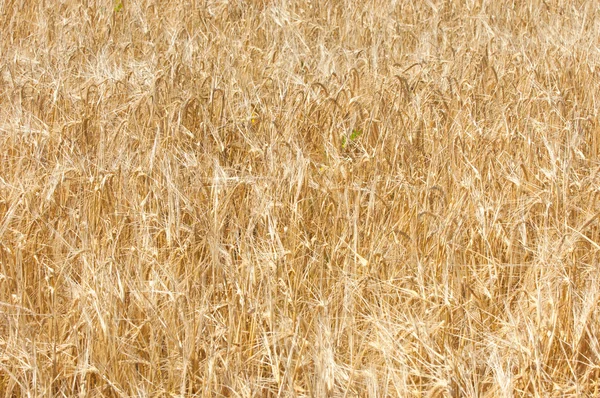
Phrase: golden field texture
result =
(295, 198)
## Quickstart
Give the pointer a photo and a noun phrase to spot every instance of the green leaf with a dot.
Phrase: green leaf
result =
(353, 137)
(119, 6)
(355, 134)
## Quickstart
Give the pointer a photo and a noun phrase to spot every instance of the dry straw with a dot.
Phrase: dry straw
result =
(299, 198)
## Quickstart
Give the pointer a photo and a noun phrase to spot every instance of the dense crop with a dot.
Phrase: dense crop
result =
(299, 198)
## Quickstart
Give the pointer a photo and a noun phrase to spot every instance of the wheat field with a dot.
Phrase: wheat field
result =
(288, 198)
